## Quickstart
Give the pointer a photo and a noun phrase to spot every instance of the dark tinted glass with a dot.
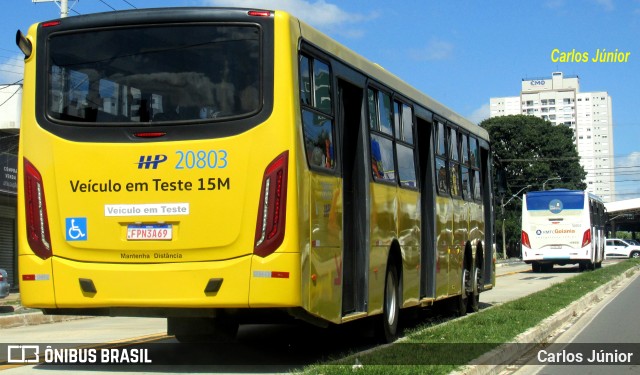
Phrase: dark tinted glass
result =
(154, 74)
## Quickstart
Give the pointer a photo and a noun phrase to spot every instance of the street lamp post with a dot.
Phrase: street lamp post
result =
(502, 204)
(551, 179)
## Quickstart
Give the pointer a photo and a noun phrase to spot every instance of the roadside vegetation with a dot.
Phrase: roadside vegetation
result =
(439, 348)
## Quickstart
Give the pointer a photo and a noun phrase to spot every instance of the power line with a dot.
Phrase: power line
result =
(12, 95)
(10, 84)
(105, 3)
(133, 6)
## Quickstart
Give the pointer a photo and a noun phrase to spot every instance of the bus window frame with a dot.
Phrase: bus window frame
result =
(453, 130)
(312, 55)
(465, 164)
(400, 141)
(441, 155)
(475, 166)
(377, 88)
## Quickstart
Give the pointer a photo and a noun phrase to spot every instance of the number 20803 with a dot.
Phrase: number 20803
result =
(212, 159)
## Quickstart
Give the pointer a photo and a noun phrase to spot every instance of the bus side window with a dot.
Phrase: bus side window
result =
(382, 158)
(454, 164)
(317, 121)
(474, 163)
(318, 140)
(441, 160)
(322, 86)
(381, 134)
(403, 117)
(305, 81)
(464, 169)
(441, 176)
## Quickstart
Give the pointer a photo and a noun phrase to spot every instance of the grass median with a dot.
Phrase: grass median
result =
(442, 348)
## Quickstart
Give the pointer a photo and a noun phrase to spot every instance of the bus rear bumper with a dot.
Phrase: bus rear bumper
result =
(551, 256)
(243, 282)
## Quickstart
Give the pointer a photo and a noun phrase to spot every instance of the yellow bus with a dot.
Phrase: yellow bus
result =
(220, 166)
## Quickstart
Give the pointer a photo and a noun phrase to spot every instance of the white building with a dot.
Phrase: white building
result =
(10, 102)
(558, 99)
(10, 107)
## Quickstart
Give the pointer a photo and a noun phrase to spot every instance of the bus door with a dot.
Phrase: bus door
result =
(488, 276)
(355, 198)
(427, 200)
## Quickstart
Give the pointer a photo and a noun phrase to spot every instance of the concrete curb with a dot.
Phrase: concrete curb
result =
(505, 355)
(34, 318)
(11, 315)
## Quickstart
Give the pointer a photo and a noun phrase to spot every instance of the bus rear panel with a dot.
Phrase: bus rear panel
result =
(152, 176)
(557, 229)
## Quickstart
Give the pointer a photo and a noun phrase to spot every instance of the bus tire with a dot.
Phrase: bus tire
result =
(535, 267)
(461, 302)
(391, 305)
(473, 298)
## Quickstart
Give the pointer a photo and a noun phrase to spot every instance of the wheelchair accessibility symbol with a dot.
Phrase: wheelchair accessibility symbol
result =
(76, 228)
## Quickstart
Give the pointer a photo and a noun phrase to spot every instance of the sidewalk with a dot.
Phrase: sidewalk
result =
(10, 299)
(12, 314)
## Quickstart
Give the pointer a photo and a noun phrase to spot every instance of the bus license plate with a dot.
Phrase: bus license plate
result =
(141, 232)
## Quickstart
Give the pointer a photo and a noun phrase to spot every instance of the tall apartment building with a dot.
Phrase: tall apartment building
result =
(558, 99)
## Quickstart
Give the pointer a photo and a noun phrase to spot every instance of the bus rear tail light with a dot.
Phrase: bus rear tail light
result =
(272, 208)
(36, 212)
(586, 237)
(525, 240)
(259, 13)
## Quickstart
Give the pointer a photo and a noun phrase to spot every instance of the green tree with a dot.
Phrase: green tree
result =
(532, 152)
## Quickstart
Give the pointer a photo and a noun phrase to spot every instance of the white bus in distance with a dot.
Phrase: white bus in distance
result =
(562, 227)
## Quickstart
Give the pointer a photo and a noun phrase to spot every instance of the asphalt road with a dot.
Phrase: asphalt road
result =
(610, 327)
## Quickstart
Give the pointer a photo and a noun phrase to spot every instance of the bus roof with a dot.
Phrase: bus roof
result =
(384, 77)
(556, 192)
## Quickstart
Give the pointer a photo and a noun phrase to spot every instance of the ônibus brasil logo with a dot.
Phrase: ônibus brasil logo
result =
(151, 161)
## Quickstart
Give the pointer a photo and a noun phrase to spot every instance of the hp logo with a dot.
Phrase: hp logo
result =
(151, 161)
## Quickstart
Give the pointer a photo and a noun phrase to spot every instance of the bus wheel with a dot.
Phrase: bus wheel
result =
(582, 266)
(462, 300)
(391, 308)
(473, 303)
(535, 267)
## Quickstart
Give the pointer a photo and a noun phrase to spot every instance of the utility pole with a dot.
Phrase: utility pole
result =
(551, 179)
(63, 4)
(502, 204)
(64, 8)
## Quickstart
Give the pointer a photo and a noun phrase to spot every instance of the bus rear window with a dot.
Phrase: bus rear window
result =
(555, 202)
(166, 73)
